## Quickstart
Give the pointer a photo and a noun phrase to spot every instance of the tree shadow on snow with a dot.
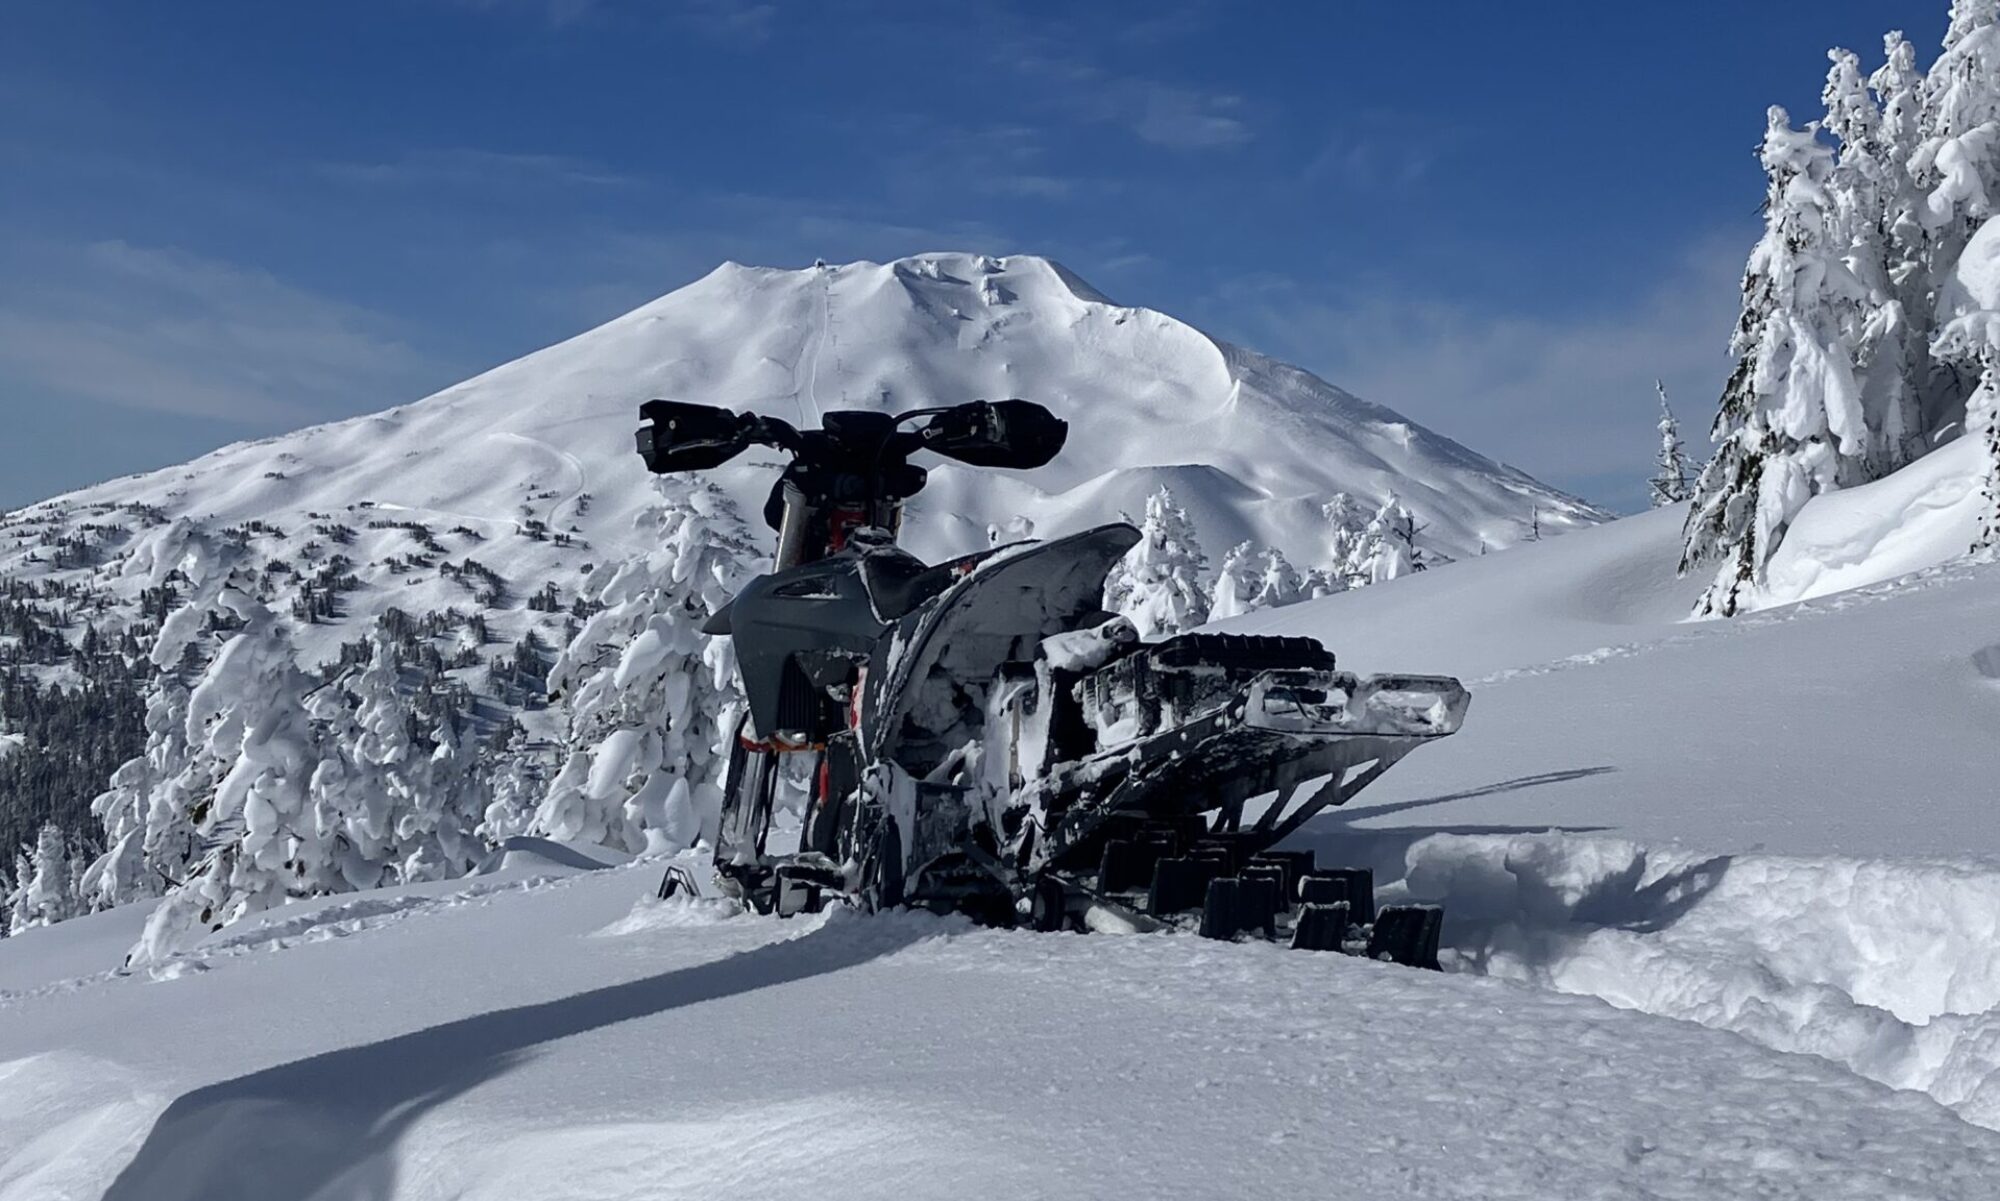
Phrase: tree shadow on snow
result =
(326, 1126)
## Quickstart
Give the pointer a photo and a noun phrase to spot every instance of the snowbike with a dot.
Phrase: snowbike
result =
(985, 738)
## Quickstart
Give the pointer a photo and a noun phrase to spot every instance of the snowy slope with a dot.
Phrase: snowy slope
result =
(1781, 825)
(554, 1038)
(1251, 447)
(1765, 843)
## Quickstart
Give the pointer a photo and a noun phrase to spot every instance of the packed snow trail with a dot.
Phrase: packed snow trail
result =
(557, 1039)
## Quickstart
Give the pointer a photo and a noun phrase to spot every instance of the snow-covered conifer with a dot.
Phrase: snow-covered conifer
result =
(1158, 584)
(44, 885)
(1971, 339)
(1236, 581)
(1280, 584)
(1869, 178)
(1670, 484)
(253, 755)
(1323, 581)
(148, 810)
(1898, 87)
(1252, 578)
(517, 779)
(16, 896)
(1791, 423)
(1960, 122)
(1388, 546)
(650, 699)
(1344, 522)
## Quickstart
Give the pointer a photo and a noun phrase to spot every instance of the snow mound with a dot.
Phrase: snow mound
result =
(1890, 968)
(77, 1101)
(649, 914)
(1924, 515)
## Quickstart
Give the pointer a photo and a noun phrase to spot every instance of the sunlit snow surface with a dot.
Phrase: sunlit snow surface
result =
(1783, 825)
(563, 1039)
(1768, 843)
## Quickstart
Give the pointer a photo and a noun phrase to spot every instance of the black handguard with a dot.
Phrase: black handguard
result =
(997, 433)
(690, 437)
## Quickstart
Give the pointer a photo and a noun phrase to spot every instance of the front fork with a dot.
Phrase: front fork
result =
(747, 798)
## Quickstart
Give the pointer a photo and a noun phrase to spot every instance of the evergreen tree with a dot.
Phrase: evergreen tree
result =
(254, 753)
(44, 885)
(1280, 584)
(1791, 424)
(1670, 479)
(1323, 581)
(650, 700)
(1237, 581)
(1972, 337)
(517, 781)
(1387, 549)
(1252, 578)
(1953, 162)
(1868, 176)
(1344, 522)
(1899, 338)
(1988, 541)
(1158, 584)
(19, 915)
(149, 811)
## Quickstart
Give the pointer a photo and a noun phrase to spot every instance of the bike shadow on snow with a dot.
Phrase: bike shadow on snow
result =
(1337, 841)
(1483, 896)
(326, 1126)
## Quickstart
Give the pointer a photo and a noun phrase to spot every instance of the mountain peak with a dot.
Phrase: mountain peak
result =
(1253, 448)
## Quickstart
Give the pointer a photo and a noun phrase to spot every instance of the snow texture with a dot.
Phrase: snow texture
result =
(1701, 945)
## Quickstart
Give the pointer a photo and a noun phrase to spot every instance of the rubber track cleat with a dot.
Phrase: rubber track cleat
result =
(1297, 865)
(1261, 896)
(1127, 865)
(1355, 885)
(1222, 913)
(1407, 934)
(1179, 885)
(1320, 927)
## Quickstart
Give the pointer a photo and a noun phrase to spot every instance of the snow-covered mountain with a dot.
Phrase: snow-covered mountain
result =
(1251, 447)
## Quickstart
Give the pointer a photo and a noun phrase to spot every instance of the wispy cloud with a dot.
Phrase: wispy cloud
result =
(1567, 398)
(743, 23)
(1181, 118)
(469, 167)
(1167, 113)
(1377, 150)
(746, 24)
(170, 331)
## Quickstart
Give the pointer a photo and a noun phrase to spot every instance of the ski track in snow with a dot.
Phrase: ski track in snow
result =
(806, 390)
(1697, 631)
(578, 472)
(320, 922)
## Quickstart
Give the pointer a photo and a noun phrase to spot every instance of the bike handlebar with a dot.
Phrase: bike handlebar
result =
(1005, 433)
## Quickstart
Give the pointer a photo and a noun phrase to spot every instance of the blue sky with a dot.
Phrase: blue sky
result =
(226, 220)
